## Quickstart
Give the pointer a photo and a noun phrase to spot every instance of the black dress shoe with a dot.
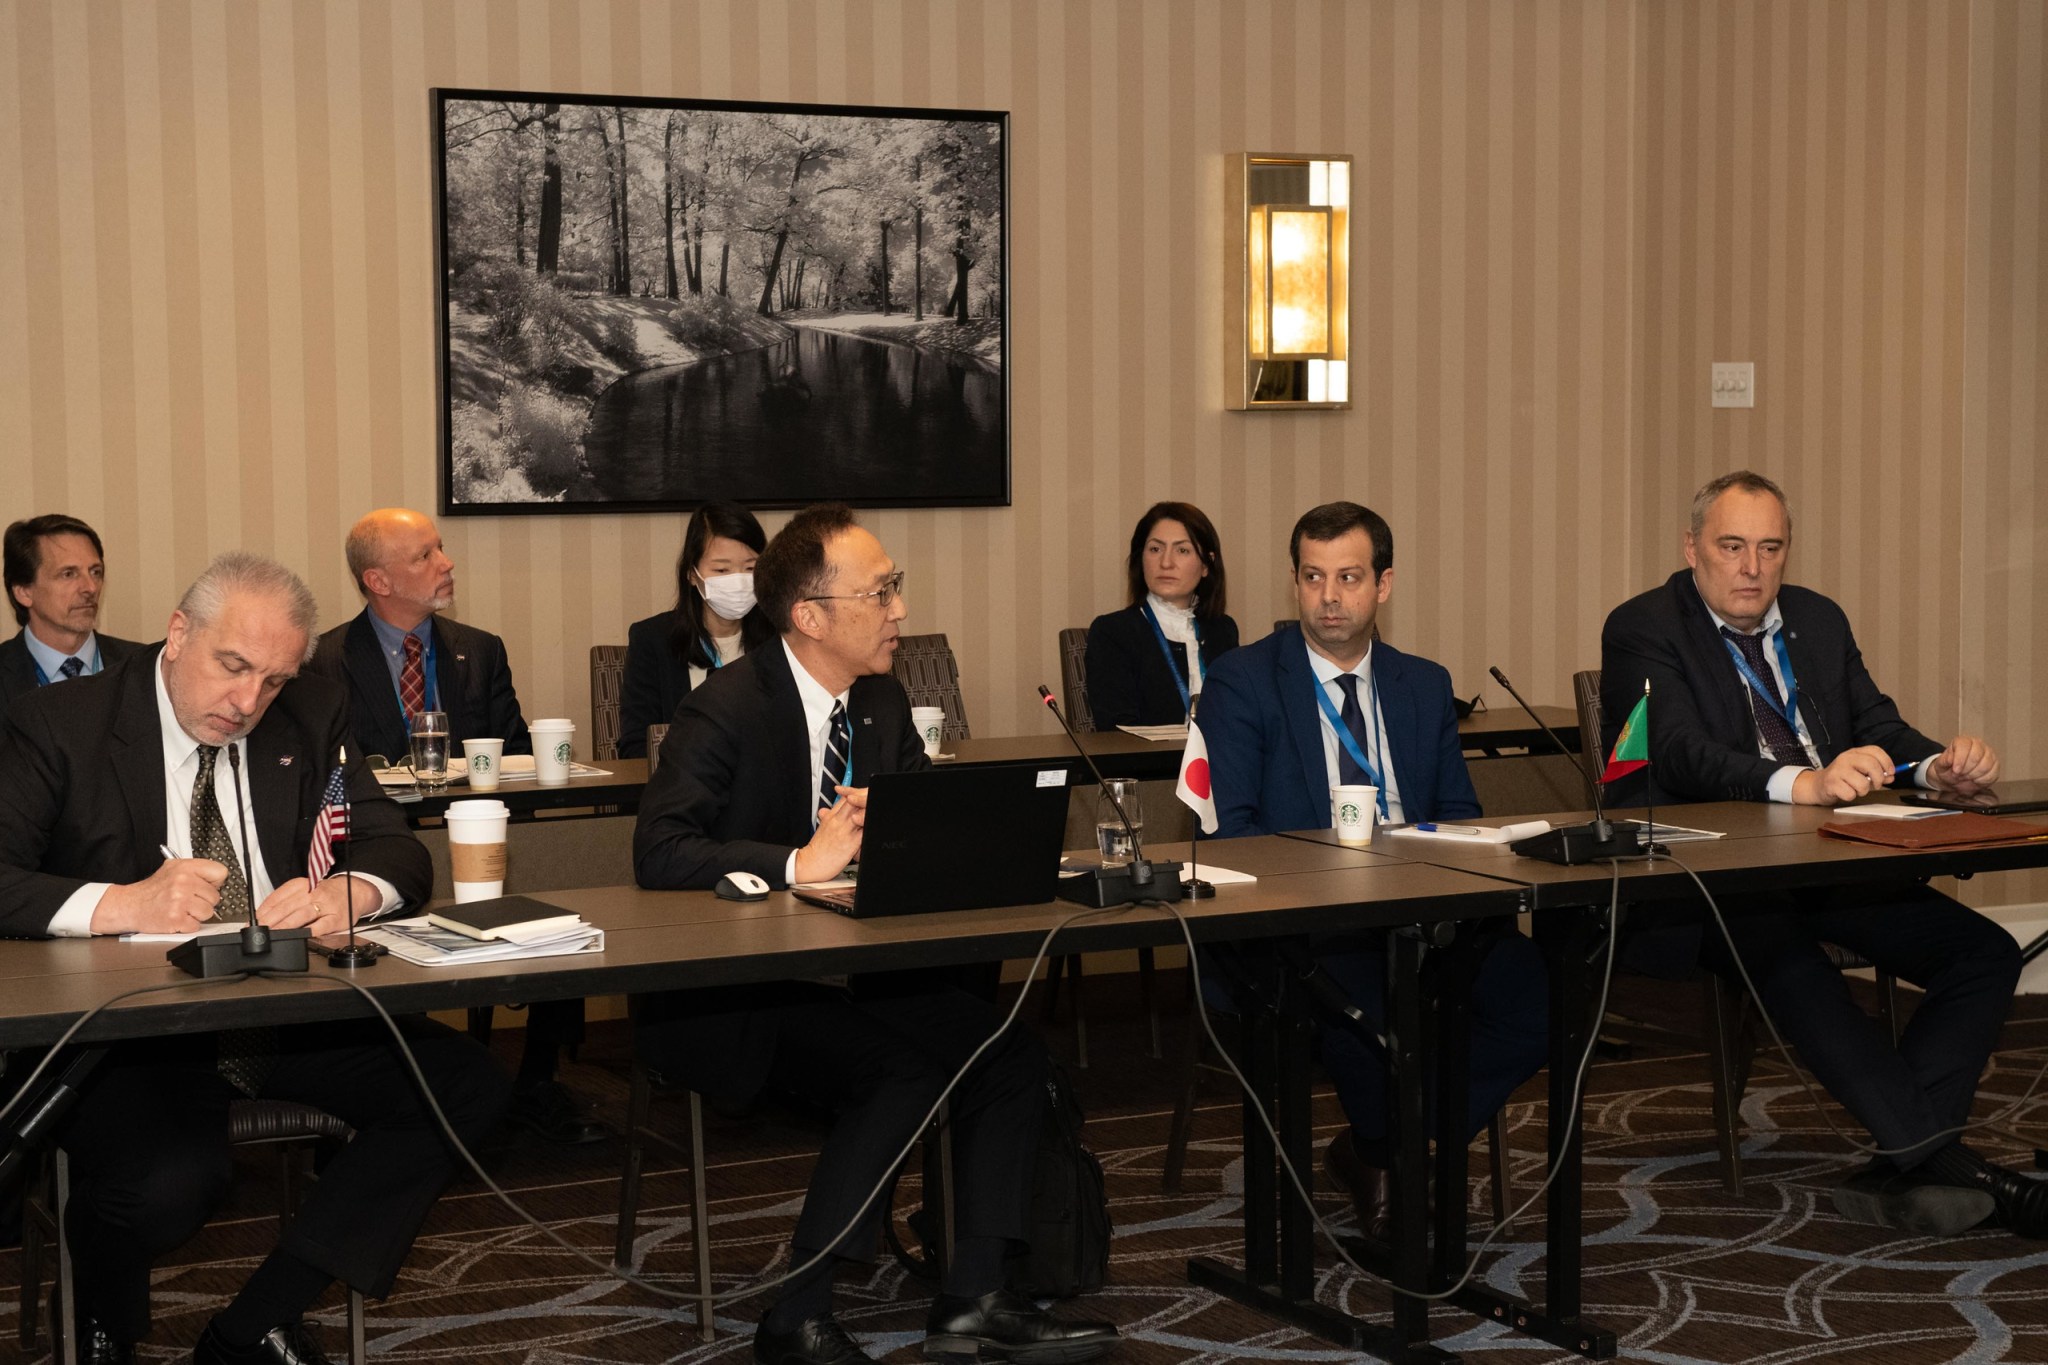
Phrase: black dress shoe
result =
(1370, 1187)
(1911, 1201)
(96, 1345)
(291, 1344)
(2019, 1202)
(1008, 1326)
(816, 1341)
(549, 1110)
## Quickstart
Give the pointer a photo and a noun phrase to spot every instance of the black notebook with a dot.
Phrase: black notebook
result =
(484, 919)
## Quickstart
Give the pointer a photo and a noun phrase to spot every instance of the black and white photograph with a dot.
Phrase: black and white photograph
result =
(651, 304)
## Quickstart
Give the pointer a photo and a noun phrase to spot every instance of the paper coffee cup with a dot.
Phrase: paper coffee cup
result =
(931, 727)
(1352, 810)
(485, 758)
(553, 743)
(476, 848)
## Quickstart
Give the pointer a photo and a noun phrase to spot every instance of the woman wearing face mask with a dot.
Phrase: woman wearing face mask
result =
(1146, 663)
(713, 622)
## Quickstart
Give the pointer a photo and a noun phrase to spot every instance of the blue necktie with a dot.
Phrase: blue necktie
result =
(71, 668)
(833, 774)
(1782, 739)
(1349, 774)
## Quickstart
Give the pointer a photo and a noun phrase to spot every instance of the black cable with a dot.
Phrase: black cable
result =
(1813, 1094)
(745, 1292)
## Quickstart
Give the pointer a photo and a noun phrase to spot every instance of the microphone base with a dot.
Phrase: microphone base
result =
(222, 954)
(356, 954)
(1195, 889)
(1102, 887)
(1577, 844)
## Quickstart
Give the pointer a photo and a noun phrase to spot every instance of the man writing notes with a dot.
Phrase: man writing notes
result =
(122, 799)
(1758, 692)
(765, 771)
(55, 572)
(1325, 704)
(400, 655)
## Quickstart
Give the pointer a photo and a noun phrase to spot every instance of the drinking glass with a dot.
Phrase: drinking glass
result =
(1111, 837)
(430, 749)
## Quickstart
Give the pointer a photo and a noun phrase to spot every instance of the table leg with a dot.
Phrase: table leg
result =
(1407, 955)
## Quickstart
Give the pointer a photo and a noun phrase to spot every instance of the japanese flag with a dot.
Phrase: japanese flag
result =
(1193, 789)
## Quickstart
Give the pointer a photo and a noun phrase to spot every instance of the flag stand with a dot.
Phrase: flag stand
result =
(1194, 888)
(356, 952)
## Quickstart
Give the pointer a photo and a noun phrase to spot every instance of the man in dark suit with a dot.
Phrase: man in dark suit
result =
(400, 655)
(1758, 692)
(55, 571)
(97, 780)
(765, 771)
(1304, 710)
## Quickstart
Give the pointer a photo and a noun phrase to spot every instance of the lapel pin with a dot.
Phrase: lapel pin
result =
(867, 720)
(284, 760)
(462, 658)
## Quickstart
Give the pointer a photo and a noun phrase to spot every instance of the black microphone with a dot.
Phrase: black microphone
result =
(1106, 886)
(256, 947)
(1572, 844)
(255, 937)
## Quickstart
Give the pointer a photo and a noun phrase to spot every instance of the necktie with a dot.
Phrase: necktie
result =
(1349, 774)
(833, 774)
(244, 1056)
(71, 668)
(1770, 722)
(412, 681)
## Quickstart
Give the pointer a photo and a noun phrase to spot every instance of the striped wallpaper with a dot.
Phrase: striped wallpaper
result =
(216, 306)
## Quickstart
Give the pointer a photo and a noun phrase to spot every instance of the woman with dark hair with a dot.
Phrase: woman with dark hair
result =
(713, 622)
(1146, 662)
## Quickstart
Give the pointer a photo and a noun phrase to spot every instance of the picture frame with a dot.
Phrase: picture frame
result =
(649, 304)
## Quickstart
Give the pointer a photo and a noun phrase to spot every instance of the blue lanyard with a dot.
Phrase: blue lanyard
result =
(1348, 740)
(1172, 668)
(1787, 709)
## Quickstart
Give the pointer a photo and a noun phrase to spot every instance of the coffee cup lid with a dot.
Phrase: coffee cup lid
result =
(476, 810)
(552, 723)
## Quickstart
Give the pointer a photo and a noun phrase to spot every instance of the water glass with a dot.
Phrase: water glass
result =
(1111, 838)
(429, 732)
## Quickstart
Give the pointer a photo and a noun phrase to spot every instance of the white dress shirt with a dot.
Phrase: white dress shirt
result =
(1779, 787)
(1178, 625)
(1327, 674)
(818, 705)
(181, 772)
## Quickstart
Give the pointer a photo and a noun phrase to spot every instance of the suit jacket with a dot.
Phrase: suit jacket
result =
(1703, 736)
(82, 792)
(1263, 728)
(1128, 682)
(18, 666)
(734, 793)
(656, 680)
(473, 685)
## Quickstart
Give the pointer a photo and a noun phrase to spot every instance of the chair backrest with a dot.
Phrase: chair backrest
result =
(928, 672)
(1074, 678)
(655, 735)
(607, 684)
(1586, 693)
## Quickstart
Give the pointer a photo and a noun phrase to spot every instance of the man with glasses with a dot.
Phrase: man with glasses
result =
(1758, 692)
(765, 770)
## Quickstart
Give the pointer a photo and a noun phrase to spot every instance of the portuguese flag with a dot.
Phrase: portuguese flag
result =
(1632, 745)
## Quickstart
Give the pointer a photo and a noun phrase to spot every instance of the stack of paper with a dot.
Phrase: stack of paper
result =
(1472, 834)
(428, 945)
(1158, 734)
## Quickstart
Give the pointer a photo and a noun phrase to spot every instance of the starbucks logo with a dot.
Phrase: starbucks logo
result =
(481, 763)
(562, 752)
(1349, 813)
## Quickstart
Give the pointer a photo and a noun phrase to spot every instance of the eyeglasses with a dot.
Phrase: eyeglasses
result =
(891, 587)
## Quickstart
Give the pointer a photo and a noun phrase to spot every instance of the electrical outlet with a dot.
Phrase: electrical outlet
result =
(1734, 384)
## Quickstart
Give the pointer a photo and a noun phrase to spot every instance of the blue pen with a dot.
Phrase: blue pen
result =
(1428, 828)
(1901, 769)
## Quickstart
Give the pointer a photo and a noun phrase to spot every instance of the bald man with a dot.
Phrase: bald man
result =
(400, 655)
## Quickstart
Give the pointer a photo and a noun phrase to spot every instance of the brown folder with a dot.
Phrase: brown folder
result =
(1963, 830)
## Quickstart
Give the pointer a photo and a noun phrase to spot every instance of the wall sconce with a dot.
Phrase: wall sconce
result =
(1289, 325)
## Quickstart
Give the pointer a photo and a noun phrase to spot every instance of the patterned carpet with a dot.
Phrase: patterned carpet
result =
(1677, 1268)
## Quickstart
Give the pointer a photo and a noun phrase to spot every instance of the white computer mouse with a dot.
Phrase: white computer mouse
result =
(741, 886)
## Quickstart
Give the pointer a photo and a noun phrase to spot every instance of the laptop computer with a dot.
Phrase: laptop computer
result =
(2007, 798)
(956, 839)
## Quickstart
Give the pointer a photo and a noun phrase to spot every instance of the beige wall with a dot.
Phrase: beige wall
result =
(216, 309)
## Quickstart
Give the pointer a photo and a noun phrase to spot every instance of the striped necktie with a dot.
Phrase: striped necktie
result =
(834, 774)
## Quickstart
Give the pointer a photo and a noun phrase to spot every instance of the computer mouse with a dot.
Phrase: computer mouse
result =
(741, 886)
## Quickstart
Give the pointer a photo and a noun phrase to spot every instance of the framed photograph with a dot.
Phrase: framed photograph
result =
(651, 304)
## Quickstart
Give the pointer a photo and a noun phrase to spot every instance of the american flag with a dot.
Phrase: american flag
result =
(330, 825)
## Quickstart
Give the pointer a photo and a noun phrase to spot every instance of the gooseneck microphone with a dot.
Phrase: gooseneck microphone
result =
(255, 937)
(254, 947)
(1137, 880)
(1573, 844)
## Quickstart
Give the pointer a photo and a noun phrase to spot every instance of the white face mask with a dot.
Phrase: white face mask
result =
(731, 595)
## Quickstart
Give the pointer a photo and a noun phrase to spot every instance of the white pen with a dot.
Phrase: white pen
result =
(169, 856)
(1428, 828)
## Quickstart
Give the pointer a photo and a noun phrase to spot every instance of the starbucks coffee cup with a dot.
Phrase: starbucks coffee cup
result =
(930, 722)
(1351, 813)
(554, 741)
(476, 848)
(485, 757)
